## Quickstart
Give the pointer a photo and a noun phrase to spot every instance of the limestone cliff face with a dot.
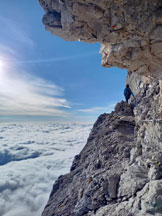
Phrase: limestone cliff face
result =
(129, 30)
(140, 185)
(95, 172)
(119, 172)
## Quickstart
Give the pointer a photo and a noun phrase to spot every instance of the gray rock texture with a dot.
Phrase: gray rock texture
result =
(119, 171)
(140, 187)
(130, 31)
(96, 171)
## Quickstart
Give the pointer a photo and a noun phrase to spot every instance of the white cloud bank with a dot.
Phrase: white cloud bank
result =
(32, 156)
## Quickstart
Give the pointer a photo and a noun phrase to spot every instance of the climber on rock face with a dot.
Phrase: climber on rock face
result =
(127, 93)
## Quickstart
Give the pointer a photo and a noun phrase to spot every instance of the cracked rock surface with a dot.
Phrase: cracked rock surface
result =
(119, 171)
(95, 173)
(130, 31)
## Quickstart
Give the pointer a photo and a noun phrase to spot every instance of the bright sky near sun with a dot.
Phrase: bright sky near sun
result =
(44, 77)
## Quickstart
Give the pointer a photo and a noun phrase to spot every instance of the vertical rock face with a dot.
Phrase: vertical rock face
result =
(119, 171)
(140, 186)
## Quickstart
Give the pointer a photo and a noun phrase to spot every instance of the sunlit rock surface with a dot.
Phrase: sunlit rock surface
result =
(95, 172)
(119, 172)
(130, 31)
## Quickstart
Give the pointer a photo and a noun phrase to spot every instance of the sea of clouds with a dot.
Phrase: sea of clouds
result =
(32, 156)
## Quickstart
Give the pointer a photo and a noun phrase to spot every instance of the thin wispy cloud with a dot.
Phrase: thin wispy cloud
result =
(15, 31)
(56, 59)
(96, 110)
(7, 50)
(24, 94)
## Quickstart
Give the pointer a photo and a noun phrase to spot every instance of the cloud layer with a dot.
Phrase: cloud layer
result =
(32, 156)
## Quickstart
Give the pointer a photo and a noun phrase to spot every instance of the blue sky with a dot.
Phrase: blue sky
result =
(44, 77)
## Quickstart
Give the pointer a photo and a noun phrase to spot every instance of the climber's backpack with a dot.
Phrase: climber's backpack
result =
(127, 93)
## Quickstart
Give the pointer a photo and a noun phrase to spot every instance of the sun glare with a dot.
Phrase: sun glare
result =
(1, 64)
(2, 70)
